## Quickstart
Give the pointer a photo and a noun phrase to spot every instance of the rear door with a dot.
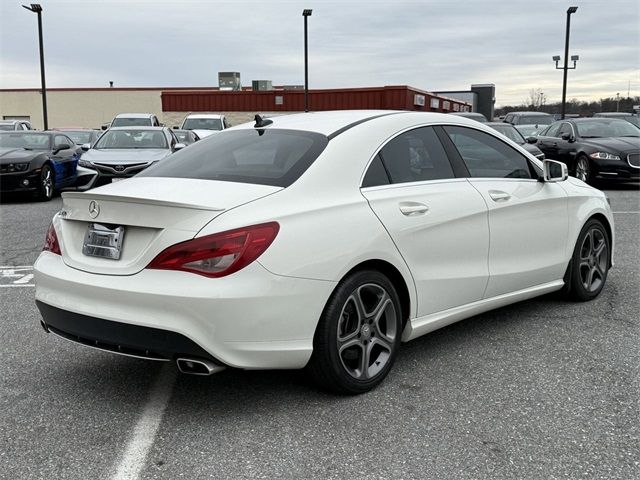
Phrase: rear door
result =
(437, 221)
(528, 218)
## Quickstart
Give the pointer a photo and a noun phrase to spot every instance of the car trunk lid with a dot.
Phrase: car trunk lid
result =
(155, 213)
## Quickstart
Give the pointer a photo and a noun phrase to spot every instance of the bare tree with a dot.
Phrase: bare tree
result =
(535, 99)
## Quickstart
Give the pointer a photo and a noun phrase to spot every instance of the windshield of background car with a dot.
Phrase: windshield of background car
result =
(266, 157)
(511, 133)
(527, 130)
(131, 122)
(535, 120)
(79, 137)
(633, 121)
(606, 128)
(7, 126)
(29, 141)
(202, 124)
(123, 139)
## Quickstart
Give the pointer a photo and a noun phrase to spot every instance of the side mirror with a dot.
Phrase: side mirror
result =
(85, 146)
(178, 146)
(532, 139)
(61, 146)
(175, 127)
(567, 137)
(554, 171)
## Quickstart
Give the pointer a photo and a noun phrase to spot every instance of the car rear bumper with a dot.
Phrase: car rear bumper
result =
(251, 319)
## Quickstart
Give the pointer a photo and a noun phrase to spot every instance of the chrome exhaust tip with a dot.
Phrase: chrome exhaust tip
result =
(198, 366)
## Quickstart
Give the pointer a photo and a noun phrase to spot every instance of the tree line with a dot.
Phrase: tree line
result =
(536, 101)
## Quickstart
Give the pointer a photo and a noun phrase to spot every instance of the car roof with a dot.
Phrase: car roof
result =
(72, 129)
(144, 127)
(205, 115)
(591, 119)
(134, 115)
(331, 123)
(613, 114)
(530, 113)
(500, 124)
(26, 132)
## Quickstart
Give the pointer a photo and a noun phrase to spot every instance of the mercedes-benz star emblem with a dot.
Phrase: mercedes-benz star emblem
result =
(94, 209)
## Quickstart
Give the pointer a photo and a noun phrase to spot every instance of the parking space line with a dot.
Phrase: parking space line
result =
(144, 433)
(631, 211)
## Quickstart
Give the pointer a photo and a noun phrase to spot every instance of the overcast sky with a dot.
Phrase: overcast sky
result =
(432, 45)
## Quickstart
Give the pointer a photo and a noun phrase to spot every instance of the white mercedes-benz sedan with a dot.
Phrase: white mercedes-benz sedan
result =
(318, 240)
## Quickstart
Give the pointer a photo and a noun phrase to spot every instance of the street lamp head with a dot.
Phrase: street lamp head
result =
(35, 7)
(556, 58)
(307, 12)
(575, 58)
(572, 10)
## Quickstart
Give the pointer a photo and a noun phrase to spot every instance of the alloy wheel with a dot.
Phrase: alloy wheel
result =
(47, 183)
(594, 256)
(367, 331)
(582, 169)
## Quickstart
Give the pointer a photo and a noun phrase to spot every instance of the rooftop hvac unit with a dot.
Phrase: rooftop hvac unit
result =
(418, 100)
(262, 85)
(229, 81)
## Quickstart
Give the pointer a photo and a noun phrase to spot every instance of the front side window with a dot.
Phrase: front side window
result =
(416, 156)
(275, 157)
(486, 156)
(565, 129)
(551, 131)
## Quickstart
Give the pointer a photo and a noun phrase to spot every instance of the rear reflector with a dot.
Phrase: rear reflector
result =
(51, 241)
(219, 254)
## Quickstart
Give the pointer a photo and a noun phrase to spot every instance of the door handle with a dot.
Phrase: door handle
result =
(499, 195)
(413, 208)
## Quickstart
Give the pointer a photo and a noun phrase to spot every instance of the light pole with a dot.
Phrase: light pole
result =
(306, 13)
(617, 102)
(566, 67)
(37, 8)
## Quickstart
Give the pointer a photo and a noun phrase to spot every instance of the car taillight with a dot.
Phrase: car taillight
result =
(219, 254)
(51, 241)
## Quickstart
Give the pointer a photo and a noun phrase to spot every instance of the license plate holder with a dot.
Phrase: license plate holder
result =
(103, 241)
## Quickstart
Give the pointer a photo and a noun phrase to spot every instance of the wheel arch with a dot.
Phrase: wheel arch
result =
(394, 275)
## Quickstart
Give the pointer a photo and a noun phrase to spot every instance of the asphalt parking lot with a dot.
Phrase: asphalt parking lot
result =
(539, 390)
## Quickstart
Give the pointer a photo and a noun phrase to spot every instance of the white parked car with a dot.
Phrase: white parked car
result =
(318, 240)
(135, 120)
(204, 124)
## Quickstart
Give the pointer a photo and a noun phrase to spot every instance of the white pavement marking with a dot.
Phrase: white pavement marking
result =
(144, 433)
(628, 212)
(26, 279)
(20, 276)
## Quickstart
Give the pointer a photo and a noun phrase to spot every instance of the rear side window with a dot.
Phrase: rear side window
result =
(486, 156)
(416, 156)
(376, 174)
(266, 157)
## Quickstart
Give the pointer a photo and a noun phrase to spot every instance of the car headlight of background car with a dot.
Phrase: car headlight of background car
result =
(604, 156)
(85, 163)
(17, 167)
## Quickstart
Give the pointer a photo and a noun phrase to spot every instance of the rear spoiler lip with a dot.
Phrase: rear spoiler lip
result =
(138, 200)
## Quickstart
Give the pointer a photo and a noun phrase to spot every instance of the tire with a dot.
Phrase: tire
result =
(587, 272)
(46, 184)
(582, 170)
(358, 335)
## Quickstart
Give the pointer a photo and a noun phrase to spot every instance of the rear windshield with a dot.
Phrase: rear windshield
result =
(535, 120)
(202, 124)
(79, 137)
(266, 157)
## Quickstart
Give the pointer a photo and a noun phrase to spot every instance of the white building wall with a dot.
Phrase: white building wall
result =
(79, 108)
